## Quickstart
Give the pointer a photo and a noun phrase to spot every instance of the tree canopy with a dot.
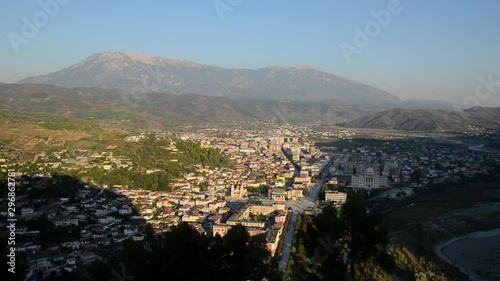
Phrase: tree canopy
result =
(345, 244)
(184, 254)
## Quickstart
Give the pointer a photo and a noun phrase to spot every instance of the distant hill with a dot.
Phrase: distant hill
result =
(142, 73)
(24, 135)
(427, 104)
(430, 120)
(109, 107)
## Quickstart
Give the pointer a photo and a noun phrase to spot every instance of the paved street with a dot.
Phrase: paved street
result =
(287, 246)
(299, 206)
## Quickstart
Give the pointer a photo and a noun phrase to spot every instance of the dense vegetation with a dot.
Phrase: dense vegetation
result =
(351, 244)
(185, 254)
(153, 153)
(166, 158)
(193, 153)
(260, 191)
(346, 245)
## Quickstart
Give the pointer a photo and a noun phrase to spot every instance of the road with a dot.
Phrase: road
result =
(287, 245)
(299, 206)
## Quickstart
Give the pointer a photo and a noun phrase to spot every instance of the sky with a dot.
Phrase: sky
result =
(420, 49)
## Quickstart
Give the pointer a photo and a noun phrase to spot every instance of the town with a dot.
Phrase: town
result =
(65, 223)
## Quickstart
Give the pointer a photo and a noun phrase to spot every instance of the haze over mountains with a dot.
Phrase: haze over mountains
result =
(142, 73)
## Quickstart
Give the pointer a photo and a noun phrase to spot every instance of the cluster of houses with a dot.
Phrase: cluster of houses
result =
(258, 218)
(261, 160)
(98, 219)
(414, 163)
(58, 231)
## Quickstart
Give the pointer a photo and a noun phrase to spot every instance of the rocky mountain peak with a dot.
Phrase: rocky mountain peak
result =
(132, 72)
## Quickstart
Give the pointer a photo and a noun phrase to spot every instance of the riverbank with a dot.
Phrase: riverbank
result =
(476, 254)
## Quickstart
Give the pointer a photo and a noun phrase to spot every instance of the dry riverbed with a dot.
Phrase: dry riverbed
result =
(476, 254)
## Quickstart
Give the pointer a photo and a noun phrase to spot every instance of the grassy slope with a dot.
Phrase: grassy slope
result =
(27, 135)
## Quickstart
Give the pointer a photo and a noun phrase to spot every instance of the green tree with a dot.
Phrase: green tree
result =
(99, 270)
(324, 244)
(242, 257)
(184, 254)
(204, 185)
(346, 245)
(365, 239)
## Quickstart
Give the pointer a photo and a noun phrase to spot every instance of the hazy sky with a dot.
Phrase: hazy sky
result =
(428, 50)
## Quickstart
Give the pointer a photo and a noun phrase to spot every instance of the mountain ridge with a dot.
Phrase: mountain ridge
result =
(131, 72)
(111, 107)
(162, 109)
(428, 120)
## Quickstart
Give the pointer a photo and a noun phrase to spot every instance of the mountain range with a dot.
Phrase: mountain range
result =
(430, 120)
(130, 72)
(146, 89)
(109, 107)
